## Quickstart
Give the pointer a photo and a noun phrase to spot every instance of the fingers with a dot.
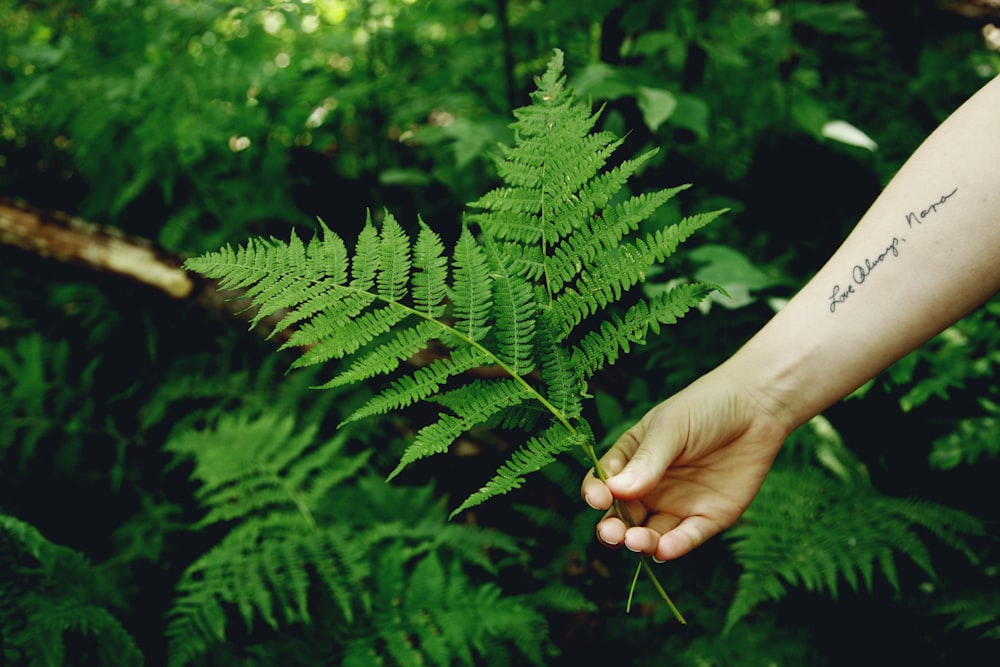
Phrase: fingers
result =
(662, 546)
(594, 492)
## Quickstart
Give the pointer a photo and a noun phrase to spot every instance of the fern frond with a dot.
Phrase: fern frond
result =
(431, 279)
(424, 383)
(516, 311)
(50, 592)
(616, 335)
(439, 616)
(552, 255)
(530, 457)
(604, 233)
(479, 402)
(565, 382)
(394, 261)
(250, 464)
(264, 568)
(269, 478)
(384, 358)
(605, 282)
(977, 611)
(808, 529)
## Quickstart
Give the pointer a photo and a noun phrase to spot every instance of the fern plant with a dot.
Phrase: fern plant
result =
(51, 596)
(541, 292)
(296, 553)
(818, 522)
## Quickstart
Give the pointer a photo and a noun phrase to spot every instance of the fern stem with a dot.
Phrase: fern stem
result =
(302, 507)
(623, 513)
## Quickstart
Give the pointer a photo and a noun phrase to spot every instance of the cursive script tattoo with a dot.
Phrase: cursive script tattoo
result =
(912, 216)
(863, 271)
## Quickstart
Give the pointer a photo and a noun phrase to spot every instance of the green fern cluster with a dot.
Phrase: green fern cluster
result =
(51, 596)
(811, 529)
(297, 553)
(532, 294)
(38, 383)
(262, 474)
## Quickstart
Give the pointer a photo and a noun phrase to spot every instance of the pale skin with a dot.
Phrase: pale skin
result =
(925, 254)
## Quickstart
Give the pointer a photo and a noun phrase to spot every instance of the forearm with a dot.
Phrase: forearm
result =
(926, 253)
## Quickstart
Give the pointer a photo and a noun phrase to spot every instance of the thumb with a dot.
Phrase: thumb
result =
(655, 446)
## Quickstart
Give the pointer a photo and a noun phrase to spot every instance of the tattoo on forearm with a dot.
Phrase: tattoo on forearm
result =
(912, 216)
(863, 271)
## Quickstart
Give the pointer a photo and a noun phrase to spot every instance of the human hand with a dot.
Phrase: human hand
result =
(688, 469)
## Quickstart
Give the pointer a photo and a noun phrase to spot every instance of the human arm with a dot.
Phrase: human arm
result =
(925, 254)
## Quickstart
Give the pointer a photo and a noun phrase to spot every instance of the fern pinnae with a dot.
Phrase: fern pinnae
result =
(352, 334)
(475, 405)
(471, 293)
(366, 260)
(564, 382)
(394, 261)
(386, 357)
(482, 398)
(430, 279)
(515, 314)
(423, 383)
(530, 457)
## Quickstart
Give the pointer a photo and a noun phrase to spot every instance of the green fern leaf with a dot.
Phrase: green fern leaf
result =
(516, 310)
(552, 260)
(811, 530)
(269, 478)
(603, 346)
(604, 233)
(430, 281)
(424, 382)
(565, 382)
(386, 357)
(530, 457)
(48, 593)
(479, 402)
(471, 294)
(604, 282)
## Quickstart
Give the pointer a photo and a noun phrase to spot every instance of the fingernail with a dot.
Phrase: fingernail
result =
(658, 561)
(586, 499)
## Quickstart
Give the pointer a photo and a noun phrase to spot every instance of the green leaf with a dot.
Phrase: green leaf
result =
(656, 105)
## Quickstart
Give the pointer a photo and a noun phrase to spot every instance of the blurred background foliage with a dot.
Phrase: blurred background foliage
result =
(195, 124)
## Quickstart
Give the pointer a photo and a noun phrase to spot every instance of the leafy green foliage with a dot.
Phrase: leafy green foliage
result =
(976, 612)
(258, 472)
(963, 353)
(973, 438)
(396, 592)
(810, 528)
(553, 255)
(49, 593)
(203, 123)
(34, 379)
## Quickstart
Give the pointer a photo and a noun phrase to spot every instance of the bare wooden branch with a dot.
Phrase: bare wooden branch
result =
(68, 239)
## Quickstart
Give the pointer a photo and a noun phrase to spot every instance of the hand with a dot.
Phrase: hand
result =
(688, 469)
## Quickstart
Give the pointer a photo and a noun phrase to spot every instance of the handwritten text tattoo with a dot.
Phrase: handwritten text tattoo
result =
(862, 271)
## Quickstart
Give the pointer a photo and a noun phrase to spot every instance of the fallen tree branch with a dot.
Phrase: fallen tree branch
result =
(68, 239)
